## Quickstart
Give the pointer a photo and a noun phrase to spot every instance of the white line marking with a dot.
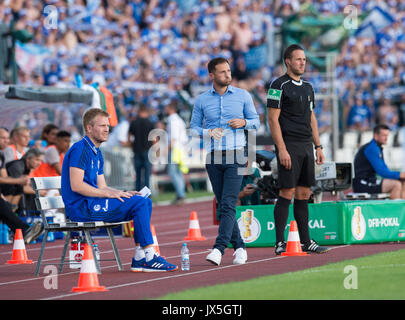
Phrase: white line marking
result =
(211, 269)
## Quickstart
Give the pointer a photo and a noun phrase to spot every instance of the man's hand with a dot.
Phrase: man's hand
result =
(248, 190)
(118, 194)
(320, 158)
(237, 123)
(216, 133)
(285, 159)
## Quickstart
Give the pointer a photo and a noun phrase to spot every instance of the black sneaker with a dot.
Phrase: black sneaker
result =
(313, 247)
(33, 232)
(280, 247)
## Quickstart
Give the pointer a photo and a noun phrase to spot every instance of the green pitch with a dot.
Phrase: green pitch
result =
(380, 276)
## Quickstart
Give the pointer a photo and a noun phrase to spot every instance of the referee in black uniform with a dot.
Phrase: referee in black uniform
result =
(294, 128)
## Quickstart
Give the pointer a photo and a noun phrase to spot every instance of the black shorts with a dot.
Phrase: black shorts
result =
(302, 172)
(368, 185)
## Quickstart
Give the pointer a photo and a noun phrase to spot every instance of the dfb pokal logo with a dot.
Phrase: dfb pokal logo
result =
(358, 224)
(249, 226)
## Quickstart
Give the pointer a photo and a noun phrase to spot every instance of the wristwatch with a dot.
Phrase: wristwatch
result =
(319, 146)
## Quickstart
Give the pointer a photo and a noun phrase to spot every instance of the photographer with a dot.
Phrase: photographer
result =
(250, 193)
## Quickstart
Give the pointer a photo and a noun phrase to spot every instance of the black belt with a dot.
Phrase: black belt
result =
(224, 152)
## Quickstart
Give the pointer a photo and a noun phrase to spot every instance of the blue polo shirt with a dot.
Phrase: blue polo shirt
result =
(83, 155)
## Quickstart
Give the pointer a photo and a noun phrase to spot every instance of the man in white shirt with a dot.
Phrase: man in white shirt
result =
(177, 138)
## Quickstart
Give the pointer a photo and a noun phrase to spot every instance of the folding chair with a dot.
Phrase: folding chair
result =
(55, 202)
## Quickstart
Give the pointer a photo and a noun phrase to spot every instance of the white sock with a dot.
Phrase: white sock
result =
(139, 253)
(149, 253)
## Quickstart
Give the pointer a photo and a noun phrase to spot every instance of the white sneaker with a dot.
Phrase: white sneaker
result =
(240, 256)
(214, 257)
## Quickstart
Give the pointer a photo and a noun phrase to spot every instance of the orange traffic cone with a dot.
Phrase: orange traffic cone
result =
(155, 241)
(88, 279)
(19, 255)
(293, 242)
(194, 232)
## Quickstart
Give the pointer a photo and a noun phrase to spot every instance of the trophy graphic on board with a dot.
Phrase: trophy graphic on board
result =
(357, 215)
(247, 217)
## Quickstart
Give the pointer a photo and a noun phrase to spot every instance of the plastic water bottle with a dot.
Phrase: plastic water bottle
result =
(185, 258)
(97, 251)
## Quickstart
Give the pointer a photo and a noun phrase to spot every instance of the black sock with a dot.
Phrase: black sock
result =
(301, 217)
(280, 217)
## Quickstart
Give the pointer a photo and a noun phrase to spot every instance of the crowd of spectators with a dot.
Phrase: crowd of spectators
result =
(147, 51)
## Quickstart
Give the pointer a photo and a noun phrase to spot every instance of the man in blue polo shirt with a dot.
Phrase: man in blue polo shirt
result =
(221, 115)
(88, 198)
(369, 162)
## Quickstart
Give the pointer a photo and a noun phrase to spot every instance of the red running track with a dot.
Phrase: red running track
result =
(171, 223)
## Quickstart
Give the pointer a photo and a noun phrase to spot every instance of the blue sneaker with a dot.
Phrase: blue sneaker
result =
(137, 265)
(158, 264)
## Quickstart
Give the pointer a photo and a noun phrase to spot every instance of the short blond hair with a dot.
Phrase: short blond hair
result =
(90, 114)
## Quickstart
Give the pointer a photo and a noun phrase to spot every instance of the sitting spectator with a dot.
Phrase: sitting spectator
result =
(17, 168)
(19, 138)
(388, 114)
(369, 162)
(53, 156)
(7, 216)
(359, 117)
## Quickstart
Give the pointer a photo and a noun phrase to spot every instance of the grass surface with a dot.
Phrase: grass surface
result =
(380, 276)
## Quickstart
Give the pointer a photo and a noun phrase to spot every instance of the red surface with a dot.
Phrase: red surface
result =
(171, 223)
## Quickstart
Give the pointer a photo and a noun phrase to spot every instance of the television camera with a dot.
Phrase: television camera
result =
(331, 177)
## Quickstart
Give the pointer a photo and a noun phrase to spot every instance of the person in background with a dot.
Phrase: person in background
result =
(53, 156)
(20, 137)
(30, 161)
(177, 138)
(369, 162)
(7, 216)
(138, 133)
(249, 192)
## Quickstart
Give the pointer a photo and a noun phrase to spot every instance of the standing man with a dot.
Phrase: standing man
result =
(369, 161)
(294, 127)
(221, 115)
(138, 133)
(88, 198)
(177, 139)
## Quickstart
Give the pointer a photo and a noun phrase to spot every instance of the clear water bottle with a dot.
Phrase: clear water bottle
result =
(97, 251)
(185, 258)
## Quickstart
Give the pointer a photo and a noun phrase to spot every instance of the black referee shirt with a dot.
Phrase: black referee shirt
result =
(296, 101)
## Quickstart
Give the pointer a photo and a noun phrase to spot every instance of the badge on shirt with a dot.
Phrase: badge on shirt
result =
(274, 94)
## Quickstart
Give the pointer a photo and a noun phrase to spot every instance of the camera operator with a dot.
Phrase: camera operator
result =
(250, 193)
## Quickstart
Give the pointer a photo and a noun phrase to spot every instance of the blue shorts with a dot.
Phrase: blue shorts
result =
(137, 208)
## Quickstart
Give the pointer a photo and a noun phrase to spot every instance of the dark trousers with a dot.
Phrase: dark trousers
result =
(10, 218)
(226, 183)
(143, 169)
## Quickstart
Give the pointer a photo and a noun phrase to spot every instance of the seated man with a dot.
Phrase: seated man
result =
(30, 161)
(7, 216)
(53, 156)
(369, 162)
(88, 198)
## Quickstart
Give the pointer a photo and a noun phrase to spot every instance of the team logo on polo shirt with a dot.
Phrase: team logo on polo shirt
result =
(97, 207)
(274, 94)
